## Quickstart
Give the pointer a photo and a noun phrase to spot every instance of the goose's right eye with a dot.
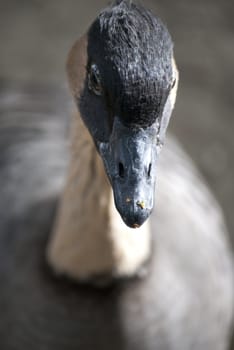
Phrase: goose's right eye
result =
(94, 80)
(173, 83)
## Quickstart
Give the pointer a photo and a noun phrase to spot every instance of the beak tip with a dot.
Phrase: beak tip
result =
(134, 217)
(136, 226)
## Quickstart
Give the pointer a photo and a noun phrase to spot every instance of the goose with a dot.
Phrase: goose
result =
(82, 268)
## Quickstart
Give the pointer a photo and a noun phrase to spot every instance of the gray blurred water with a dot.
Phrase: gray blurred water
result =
(36, 35)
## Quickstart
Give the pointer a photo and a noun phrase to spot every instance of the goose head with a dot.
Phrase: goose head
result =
(124, 79)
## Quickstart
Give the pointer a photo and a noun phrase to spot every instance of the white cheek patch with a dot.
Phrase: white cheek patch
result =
(76, 66)
(173, 92)
(169, 105)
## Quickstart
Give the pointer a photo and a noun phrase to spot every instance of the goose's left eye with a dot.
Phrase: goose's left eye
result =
(94, 80)
(173, 83)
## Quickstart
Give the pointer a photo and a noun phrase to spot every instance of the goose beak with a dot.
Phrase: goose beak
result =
(130, 161)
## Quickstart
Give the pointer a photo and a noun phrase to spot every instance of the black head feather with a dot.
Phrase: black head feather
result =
(129, 76)
(133, 51)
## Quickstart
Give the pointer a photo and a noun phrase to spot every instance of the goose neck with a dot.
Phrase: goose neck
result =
(89, 238)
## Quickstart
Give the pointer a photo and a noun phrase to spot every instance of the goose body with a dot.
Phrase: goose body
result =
(182, 298)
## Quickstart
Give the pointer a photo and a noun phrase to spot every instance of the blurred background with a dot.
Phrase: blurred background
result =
(36, 35)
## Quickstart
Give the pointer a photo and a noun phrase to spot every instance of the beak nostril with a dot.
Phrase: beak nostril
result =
(121, 170)
(149, 170)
